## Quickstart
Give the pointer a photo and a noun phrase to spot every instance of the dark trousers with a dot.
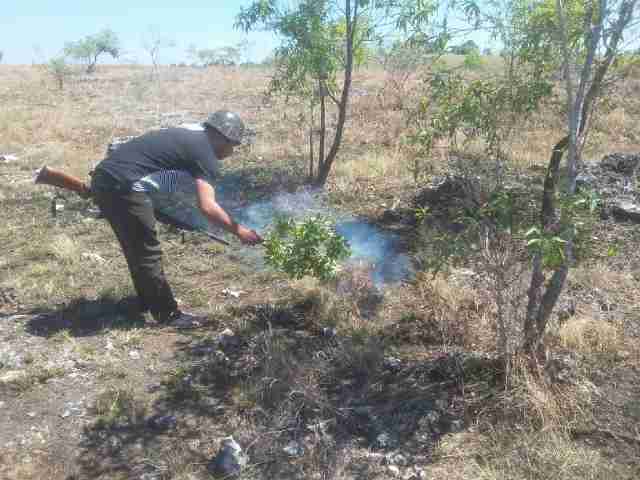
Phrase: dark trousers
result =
(132, 220)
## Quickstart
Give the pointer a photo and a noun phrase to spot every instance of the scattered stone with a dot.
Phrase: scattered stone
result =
(12, 376)
(393, 470)
(586, 180)
(154, 387)
(227, 292)
(419, 475)
(329, 332)
(93, 257)
(10, 359)
(109, 346)
(625, 164)
(432, 416)
(73, 408)
(395, 459)
(114, 443)
(230, 460)
(562, 368)
(162, 422)
(626, 209)
(227, 338)
(213, 404)
(384, 440)
(220, 358)
(31, 414)
(8, 158)
(392, 363)
(294, 449)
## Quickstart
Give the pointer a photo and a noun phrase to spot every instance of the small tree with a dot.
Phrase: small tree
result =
(244, 48)
(468, 47)
(90, 48)
(59, 69)
(207, 57)
(309, 247)
(321, 39)
(584, 38)
(588, 37)
(153, 44)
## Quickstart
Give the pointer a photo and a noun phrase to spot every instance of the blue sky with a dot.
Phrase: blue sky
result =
(36, 30)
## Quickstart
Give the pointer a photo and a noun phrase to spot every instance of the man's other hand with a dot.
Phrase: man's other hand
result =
(248, 237)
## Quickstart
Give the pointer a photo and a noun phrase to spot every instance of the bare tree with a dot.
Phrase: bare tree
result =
(153, 43)
(604, 23)
(323, 40)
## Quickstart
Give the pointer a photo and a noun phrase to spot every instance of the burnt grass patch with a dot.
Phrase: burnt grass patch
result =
(277, 383)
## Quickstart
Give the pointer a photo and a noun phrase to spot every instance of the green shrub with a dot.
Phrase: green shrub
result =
(311, 247)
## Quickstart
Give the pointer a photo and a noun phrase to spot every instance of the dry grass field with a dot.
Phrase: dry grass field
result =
(316, 381)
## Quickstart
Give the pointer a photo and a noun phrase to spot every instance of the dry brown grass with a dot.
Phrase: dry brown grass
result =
(585, 335)
(522, 433)
(459, 313)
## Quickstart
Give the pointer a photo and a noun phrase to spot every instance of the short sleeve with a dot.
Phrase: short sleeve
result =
(199, 159)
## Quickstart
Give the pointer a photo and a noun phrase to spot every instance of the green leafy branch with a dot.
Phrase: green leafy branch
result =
(311, 247)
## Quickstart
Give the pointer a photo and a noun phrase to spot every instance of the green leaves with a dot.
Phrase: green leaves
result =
(311, 247)
(91, 47)
(548, 244)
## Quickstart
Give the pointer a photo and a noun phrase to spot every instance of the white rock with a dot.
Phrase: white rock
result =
(7, 157)
(227, 292)
(93, 257)
(12, 376)
(227, 338)
(134, 354)
(393, 470)
(230, 459)
(293, 449)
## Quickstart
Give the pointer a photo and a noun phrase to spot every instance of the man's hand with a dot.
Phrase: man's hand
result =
(248, 237)
(216, 214)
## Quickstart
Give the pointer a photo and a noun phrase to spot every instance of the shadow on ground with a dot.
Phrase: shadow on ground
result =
(299, 402)
(84, 317)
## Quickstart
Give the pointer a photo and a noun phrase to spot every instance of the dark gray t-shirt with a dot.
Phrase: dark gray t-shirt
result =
(160, 150)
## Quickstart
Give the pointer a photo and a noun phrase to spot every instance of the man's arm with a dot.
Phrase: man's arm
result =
(216, 214)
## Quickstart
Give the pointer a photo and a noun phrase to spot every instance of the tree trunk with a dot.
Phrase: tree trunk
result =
(580, 107)
(541, 304)
(323, 126)
(351, 18)
(311, 159)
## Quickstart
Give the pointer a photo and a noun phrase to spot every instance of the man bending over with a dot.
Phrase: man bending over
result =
(121, 185)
